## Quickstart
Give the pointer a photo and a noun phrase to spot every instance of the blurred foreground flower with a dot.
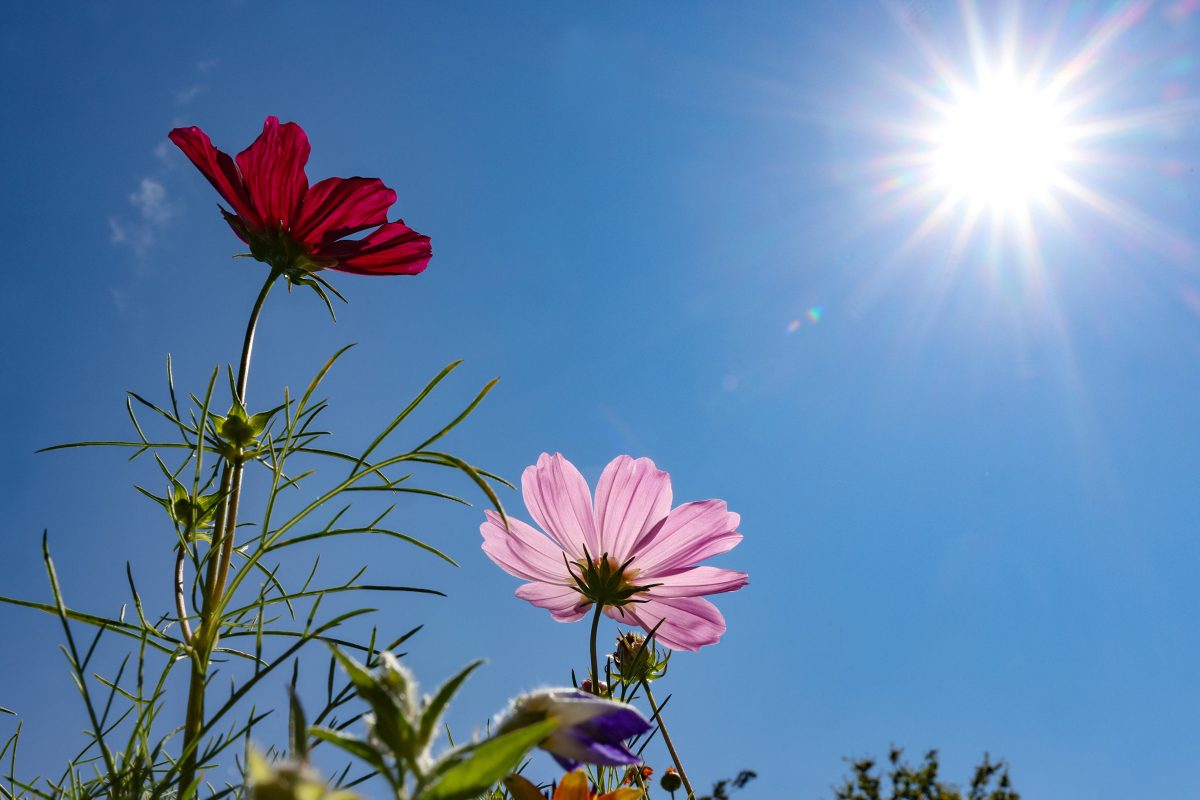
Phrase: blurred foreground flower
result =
(299, 229)
(287, 780)
(591, 729)
(629, 550)
(573, 786)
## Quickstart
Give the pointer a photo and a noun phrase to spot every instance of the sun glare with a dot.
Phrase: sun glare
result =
(1000, 146)
(1015, 133)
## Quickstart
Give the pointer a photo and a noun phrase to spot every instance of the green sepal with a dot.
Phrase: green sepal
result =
(391, 697)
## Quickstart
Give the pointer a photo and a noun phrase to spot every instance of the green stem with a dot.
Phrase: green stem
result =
(662, 726)
(595, 662)
(248, 341)
(185, 627)
(207, 634)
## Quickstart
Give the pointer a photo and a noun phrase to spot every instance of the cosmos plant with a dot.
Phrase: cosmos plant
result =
(243, 607)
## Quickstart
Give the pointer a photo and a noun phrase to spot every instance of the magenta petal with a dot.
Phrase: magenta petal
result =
(631, 498)
(393, 249)
(557, 497)
(564, 603)
(688, 623)
(697, 581)
(522, 551)
(219, 169)
(690, 534)
(273, 169)
(337, 207)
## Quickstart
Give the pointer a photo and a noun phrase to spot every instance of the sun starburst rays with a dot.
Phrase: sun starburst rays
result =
(1008, 138)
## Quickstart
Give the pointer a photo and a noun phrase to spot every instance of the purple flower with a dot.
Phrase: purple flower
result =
(591, 730)
(627, 549)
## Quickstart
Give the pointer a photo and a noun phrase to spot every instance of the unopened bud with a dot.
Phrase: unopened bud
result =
(670, 781)
(636, 659)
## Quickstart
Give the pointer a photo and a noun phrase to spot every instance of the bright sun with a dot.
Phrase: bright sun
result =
(1002, 135)
(1000, 145)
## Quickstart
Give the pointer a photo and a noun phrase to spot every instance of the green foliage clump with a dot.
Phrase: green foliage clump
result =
(922, 782)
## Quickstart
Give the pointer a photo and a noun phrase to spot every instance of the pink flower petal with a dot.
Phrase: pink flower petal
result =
(689, 623)
(273, 169)
(337, 207)
(564, 603)
(522, 551)
(393, 249)
(557, 497)
(219, 169)
(696, 581)
(632, 519)
(690, 534)
(631, 498)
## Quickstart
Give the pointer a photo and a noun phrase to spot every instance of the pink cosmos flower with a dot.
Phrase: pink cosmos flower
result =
(627, 549)
(298, 228)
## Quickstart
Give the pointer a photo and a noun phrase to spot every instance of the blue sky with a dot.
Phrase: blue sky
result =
(964, 456)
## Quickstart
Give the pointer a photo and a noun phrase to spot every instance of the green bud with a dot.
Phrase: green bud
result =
(637, 660)
(236, 430)
(670, 781)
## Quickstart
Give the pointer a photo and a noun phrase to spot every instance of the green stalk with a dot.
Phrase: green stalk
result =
(662, 726)
(207, 634)
(595, 662)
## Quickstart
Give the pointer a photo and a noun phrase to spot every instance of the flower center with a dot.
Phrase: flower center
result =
(284, 252)
(605, 581)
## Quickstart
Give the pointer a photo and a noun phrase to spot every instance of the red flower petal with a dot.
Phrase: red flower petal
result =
(337, 207)
(273, 169)
(219, 168)
(393, 249)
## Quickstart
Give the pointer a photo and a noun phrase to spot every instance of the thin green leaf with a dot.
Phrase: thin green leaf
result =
(297, 727)
(351, 744)
(437, 705)
(466, 412)
(429, 387)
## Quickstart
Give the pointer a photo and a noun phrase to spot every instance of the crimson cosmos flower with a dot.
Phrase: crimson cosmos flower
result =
(297, 228)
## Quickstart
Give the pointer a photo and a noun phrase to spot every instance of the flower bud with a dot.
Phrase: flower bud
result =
(637, 659)
(670, 781)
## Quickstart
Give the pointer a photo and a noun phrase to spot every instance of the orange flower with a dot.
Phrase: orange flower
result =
(632, 773)
(573, 786)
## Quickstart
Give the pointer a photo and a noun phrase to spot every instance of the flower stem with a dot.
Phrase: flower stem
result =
(662, 726)
(185, 627)
(220, 555)
(595, 662)
(248, 341)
